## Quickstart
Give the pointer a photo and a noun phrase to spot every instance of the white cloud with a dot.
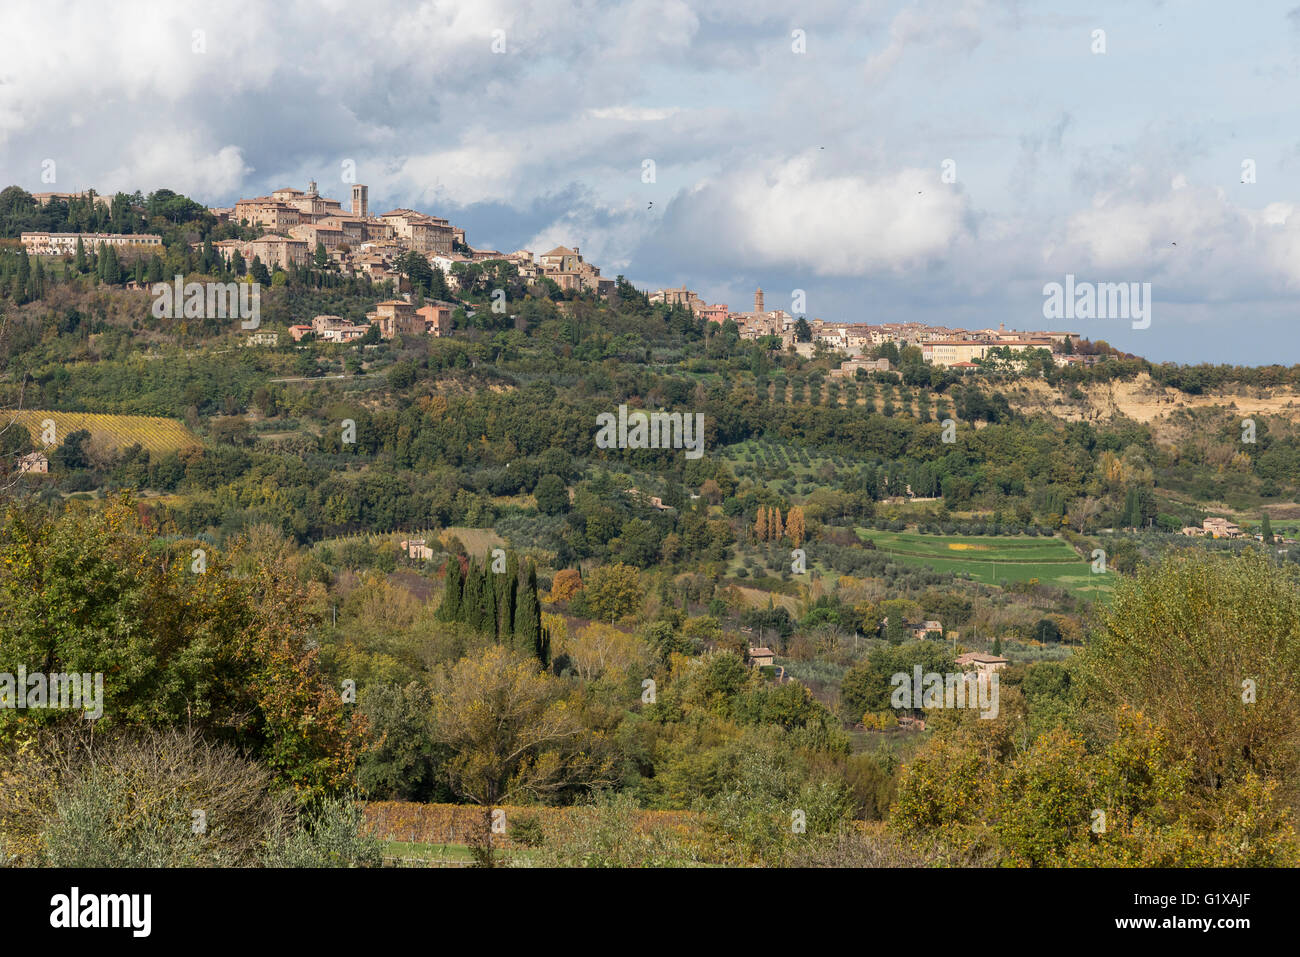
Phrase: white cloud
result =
(1192, 239)
(633, 114)
(940, 25)
(830, 224)
(180, 158)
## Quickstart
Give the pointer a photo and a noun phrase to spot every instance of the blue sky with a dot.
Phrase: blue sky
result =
(817, 170)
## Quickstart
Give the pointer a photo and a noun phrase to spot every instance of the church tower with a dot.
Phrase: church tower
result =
(360, 201)
(758, 302)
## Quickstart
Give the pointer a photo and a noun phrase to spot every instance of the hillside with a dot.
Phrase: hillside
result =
(1144, 400)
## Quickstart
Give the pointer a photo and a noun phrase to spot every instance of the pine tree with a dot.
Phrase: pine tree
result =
(894, 629)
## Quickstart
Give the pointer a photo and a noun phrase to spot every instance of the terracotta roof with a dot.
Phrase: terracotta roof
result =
(560, 251)
(978, 657)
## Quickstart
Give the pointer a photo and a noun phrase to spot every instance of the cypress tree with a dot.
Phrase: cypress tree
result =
(471, 604)
(112, 269)
(450, 610)
(509, 596)
(544, 649)
(491, 620)
(528, 618)
(1266, 529)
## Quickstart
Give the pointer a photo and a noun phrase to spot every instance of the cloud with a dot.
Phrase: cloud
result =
(181, 158)
(938, 26)
(1191, 240)
(824, 222)
(633, 114)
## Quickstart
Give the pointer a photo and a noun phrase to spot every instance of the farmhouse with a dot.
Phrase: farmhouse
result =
(34, 462)
(983, 664)
(418, 549)
(1221, 528)
(762, 657)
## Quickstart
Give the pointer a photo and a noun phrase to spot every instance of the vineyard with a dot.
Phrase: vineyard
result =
(153, 433)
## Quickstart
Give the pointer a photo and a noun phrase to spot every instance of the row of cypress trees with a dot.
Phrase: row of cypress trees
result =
(503, 602)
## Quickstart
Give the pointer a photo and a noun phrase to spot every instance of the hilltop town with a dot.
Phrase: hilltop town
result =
(294, 227)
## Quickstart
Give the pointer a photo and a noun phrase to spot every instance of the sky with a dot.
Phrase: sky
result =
(939, 161)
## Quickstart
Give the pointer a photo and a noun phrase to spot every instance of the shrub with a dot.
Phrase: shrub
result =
(328, 836)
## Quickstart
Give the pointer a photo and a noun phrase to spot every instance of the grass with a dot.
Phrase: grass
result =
(757, 598)
(477, 541)
(995, 560)
(442, 855)
(428, 853)
(154, 433)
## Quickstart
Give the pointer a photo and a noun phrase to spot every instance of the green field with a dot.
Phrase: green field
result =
(415, 854)
(994, 560)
